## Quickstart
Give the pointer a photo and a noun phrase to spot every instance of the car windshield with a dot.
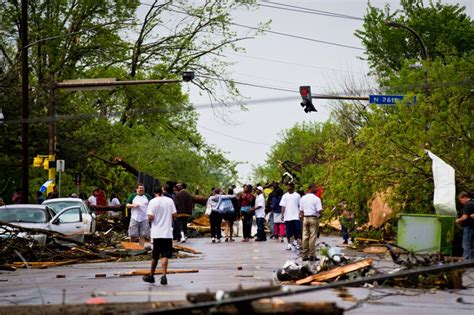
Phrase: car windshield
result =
(23, 214)
(57, 206)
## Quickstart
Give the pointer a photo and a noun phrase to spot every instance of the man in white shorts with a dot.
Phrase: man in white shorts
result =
(161, 213)
(139, 226)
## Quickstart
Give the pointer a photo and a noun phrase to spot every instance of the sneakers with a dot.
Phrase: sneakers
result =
(149, 279)
(163, 280)
(297, 247)
(288, 247)
(183, 240)
(218, 240)
(213, 240)
(295, 243)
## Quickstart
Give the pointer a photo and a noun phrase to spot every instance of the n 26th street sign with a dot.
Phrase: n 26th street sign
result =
(387, 99)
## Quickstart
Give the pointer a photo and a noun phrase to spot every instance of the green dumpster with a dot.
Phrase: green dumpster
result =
(426, 233)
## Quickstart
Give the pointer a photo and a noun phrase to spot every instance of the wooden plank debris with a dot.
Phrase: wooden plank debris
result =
(43, 264)
(130, 245)
(144, 272)
(48, 264)
(336, 272)
(186, 249)
(375, 250)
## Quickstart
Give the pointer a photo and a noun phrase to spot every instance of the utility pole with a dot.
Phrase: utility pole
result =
(24, 102)
(52, 129)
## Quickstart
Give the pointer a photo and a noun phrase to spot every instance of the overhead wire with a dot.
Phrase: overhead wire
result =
(467, 82)
(295, 8)
(248, 84)
(290, 63)
(233, 137)
(273, 32)
(299, 37)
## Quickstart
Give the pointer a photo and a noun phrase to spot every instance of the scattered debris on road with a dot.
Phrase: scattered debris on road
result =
(144, 272)
(109, 243)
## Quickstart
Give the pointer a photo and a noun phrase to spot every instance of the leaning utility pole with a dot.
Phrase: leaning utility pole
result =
(24, 102)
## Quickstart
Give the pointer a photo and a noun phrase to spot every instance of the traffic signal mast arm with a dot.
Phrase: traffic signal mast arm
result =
(337, 97)
(307, 104)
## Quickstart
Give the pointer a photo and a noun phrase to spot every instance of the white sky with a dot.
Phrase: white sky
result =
(263, 122)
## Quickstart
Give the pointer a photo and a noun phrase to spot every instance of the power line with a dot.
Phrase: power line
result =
(275, 32)
(233, 137)
(309, 11)
(291, 63)
(138, 112)
(298, 37)
(313, 11)
(249, 84)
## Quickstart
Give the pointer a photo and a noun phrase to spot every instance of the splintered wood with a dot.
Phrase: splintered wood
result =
(144, 272)
(47, 264)
(336, 272)
(133, 246)
(375, 250)
(186, 249)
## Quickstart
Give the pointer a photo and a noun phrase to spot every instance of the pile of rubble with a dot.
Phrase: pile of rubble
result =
(334, 266)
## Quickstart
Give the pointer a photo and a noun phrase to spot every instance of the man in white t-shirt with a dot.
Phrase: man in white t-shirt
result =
(161, 212)
(290, 213)
(311, 208)
(93, 199)
(259, 210)
(138, 203)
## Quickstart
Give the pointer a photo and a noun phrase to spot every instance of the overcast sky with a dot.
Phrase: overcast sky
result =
(282, 62)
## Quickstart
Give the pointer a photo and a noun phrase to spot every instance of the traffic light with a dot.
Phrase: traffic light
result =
(307, 103)
(187, 76)
(37, 161)
(46, 164)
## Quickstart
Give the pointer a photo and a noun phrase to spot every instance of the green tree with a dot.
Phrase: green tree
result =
(445, 29)
(88, 39)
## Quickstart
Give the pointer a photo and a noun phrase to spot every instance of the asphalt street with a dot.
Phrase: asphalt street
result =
(222, 266)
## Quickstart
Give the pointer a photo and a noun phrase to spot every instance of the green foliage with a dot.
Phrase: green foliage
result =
(153, 127)
(445, 29)
(365, 150)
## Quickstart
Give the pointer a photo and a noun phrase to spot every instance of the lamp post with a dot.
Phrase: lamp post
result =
(423, 46)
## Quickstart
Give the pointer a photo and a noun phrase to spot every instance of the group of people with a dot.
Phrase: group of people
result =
(138, 202)
(290, 215)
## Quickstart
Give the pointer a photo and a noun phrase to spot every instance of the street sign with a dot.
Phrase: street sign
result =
(387, 99)
(60, 165)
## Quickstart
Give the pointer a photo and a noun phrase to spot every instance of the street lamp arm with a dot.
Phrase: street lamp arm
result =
(398, 25)
(66, 85)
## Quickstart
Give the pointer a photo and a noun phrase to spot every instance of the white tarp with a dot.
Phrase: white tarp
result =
(444, 199)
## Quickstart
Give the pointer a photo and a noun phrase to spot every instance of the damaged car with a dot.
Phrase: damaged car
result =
(69, 221)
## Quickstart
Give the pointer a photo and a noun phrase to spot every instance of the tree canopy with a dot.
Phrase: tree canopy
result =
(368, 149)
(151, 127)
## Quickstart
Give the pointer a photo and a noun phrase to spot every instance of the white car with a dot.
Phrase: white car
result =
(87, 216)
(68, 221)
